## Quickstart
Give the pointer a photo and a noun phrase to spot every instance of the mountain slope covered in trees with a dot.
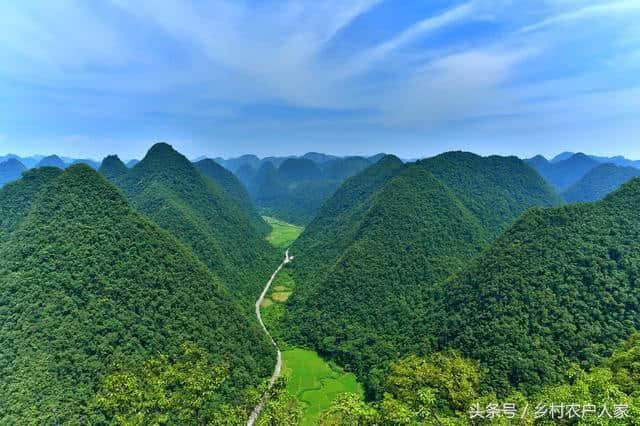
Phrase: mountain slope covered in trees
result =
(167, 187)
(599, 182)
(89, 286)
(294, 190)
(559, 286)
(370, 263)
(112, 167)
(230, 183)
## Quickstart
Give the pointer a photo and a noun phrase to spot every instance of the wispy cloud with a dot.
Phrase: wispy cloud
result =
(595, 10)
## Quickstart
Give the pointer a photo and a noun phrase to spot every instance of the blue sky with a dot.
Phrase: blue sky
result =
(227, 77)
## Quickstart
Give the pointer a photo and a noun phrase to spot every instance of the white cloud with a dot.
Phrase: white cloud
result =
(601, 9)
(425, 26)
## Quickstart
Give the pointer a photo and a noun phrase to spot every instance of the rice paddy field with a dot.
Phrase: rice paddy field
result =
(315, 382)
(282, 233)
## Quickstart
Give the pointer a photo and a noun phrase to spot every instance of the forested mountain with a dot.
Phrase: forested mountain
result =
(90, 287)
(559, 286)
(230, 183)
(112, 167)
(51, 161)
(562, 174)
(169, 189)
(369, 265)
(296, 189)
(10, 170)
(599, 182)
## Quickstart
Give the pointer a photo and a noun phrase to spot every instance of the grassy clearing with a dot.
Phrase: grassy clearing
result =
(266, 302)
(315, 383)
(282, 233)
(281, 296)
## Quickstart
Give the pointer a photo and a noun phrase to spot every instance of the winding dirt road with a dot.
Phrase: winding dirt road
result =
(276, 371)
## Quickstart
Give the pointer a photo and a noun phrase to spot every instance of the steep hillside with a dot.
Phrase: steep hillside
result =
(89, 286)
(496, 189)
(230, 183)
(17, 197)
(296, 189)
(112, 167)
(562, 174)
(599, 182)
(559, 286)
(370, 265)
(51, 161)
(10, 170)
(200, 213)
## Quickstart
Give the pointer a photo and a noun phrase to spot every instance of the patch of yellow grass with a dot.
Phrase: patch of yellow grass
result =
(281, 288)
(281, 296)
(266, 302)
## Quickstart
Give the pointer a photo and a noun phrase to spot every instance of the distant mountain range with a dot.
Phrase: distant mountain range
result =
(581, 178)
(618, 160)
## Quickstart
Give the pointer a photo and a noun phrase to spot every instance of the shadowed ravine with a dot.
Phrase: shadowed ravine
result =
(276, 371)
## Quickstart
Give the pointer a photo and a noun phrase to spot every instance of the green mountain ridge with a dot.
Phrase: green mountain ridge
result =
(88, 285)
(559, 286)
(372, 261)
(168, 188)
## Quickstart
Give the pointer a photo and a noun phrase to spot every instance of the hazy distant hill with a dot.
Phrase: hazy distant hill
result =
(10, 170)
(296, 189)
(90, 286)
(132, 163)
(51, 161)
(91, 163)
(600, 181)
(562, 174)
(112, 167)
(369, 265)
(169, 189)
(618, 160)
(560, 286)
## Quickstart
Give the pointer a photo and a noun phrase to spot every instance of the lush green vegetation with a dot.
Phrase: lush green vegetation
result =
(199, 212)
(562, 174)
(372, 262)
(282, 233)
(294, 189)
(560, 286)
(90, 287)
(112, 167)
(10, 170)
(599, 182)
(315, 383)
(446, 389)
(230, 183)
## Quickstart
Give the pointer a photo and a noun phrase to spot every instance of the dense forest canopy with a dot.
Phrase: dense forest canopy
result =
(230, 183)
(371, 261)
(559, 286)
(89, 286)
(169, 189)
